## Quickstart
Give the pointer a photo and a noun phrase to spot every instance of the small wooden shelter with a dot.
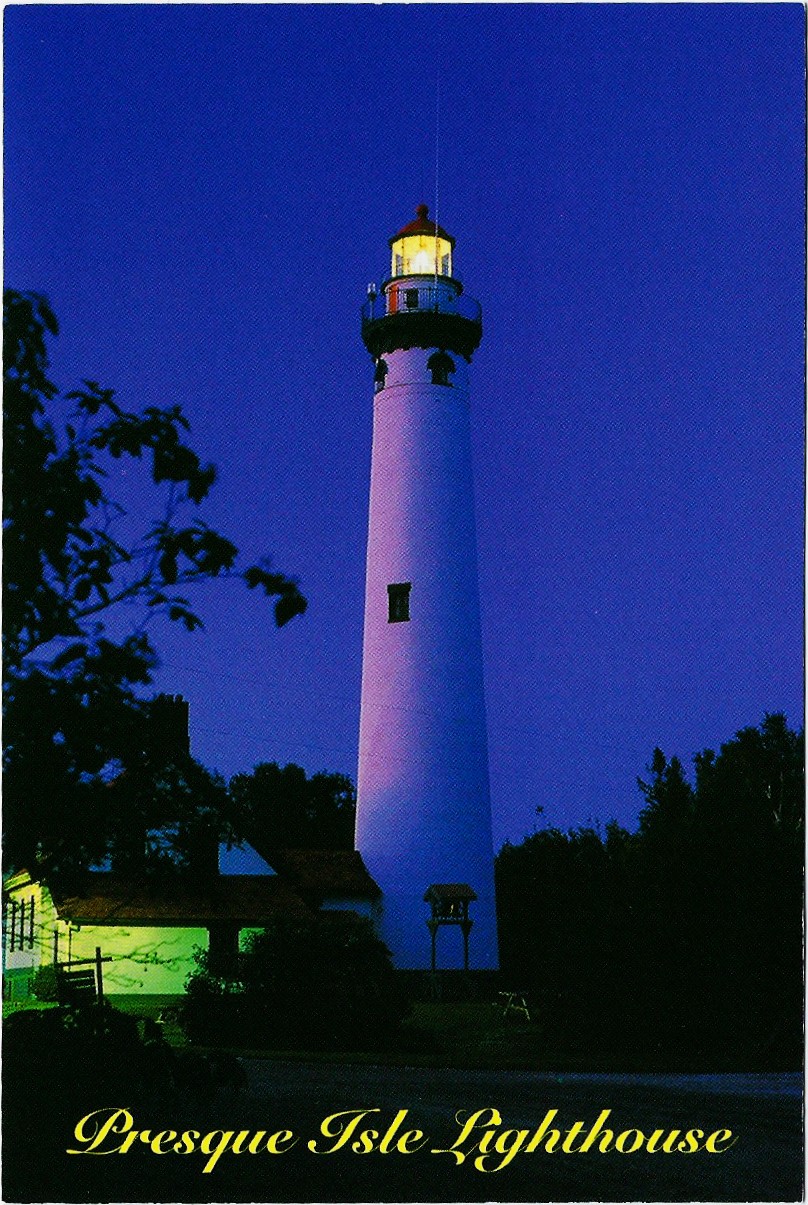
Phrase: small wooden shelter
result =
(450, 906)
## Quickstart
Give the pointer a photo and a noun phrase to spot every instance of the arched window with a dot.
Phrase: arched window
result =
(380, 375)
(440, 365)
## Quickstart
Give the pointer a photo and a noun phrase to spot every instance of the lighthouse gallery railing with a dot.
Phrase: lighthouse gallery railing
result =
(402, 299)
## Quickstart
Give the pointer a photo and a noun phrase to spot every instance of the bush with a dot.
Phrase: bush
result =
(80, 1054)
(44, 984)
(323, 983)
(60, 1064)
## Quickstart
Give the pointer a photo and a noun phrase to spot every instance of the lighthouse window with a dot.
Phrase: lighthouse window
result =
(398, 602)
(440, 365)
(380, 375)
(411, 299)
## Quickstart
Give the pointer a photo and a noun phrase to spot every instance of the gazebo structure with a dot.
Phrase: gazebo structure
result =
(450, 906)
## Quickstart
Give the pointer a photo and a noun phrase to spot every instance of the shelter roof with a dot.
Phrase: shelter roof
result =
(450, 891)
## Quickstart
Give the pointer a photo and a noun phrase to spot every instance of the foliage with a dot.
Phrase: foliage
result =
(44, 984)
(681, 944)
(325, 982)
(168, 813)
(83, 1055)
(278, 807)
(73, 719)
(61, 1064)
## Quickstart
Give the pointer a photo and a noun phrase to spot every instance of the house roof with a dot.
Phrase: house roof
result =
(109, 899)
(18, 878)
(327, 872)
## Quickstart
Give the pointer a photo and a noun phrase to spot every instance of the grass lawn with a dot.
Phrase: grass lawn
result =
(16, 1006)
(144, 1006)
(467, 1034)
(474, 1034)
(437, 1034)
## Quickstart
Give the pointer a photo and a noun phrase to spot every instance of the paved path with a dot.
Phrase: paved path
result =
(764, 1111)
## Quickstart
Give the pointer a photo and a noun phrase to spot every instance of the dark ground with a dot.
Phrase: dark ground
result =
(765, 1164)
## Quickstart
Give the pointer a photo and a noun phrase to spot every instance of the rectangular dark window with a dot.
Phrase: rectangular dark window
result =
(411, 299)
(398, 602)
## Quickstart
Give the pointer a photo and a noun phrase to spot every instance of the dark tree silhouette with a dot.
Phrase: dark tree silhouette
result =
(73, 717)
(320, 981)
(278, 807)
(679, 945)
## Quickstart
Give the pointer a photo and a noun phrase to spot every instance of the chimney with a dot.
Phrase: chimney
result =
(169, 726)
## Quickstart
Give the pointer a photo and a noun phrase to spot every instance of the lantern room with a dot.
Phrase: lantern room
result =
(421, 248)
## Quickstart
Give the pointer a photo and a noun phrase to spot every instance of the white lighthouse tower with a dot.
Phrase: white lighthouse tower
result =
(423, 805)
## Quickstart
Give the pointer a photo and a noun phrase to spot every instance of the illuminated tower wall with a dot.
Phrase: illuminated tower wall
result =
(423, 812)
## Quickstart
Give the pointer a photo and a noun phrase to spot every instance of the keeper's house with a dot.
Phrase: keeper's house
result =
(148, 934)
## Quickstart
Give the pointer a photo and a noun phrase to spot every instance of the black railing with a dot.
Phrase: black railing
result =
(420, 299)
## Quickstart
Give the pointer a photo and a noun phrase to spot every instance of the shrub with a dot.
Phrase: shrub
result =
(325, 983)
(44, 984)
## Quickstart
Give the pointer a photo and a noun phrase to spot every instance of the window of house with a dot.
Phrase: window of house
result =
(398, 602)
(399, 264)
(380, 375)
(411, 299)
(441, 366)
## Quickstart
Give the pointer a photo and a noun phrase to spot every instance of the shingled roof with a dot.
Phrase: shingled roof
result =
(320, 873)
(450, 891)
(109, 899)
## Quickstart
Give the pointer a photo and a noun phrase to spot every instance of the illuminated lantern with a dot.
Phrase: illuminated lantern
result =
(419, 246)
(423, 804)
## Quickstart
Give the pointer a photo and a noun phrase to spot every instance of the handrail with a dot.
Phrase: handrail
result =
(421, 299)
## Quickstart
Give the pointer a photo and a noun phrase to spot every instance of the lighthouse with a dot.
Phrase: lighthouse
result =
(423, 805)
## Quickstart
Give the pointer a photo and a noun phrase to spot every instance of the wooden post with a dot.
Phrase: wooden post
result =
(99, 975)
(55, 947)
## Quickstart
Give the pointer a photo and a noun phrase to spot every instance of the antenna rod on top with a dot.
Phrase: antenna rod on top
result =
(437, 162)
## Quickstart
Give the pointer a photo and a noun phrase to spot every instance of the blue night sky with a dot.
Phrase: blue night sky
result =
(204, 192)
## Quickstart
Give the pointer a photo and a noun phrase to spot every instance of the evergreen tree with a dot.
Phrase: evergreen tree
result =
(680, 945)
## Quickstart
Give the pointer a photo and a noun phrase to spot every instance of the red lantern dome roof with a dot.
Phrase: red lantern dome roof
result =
(422, 225)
